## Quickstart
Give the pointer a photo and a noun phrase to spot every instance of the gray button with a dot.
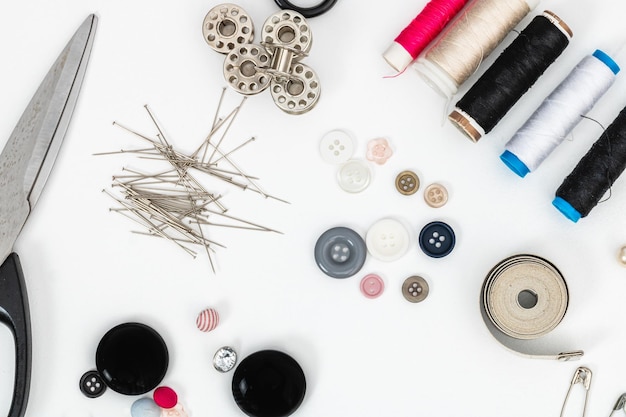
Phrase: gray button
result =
(340, 252)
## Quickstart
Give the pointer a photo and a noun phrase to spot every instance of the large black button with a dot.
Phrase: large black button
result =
(132, 358)
(269, 383)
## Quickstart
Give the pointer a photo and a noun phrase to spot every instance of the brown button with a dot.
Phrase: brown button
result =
(436, 195)
(415, 289)
(407, 182)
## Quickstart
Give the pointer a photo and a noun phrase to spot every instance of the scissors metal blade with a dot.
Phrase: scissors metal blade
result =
(28, 156)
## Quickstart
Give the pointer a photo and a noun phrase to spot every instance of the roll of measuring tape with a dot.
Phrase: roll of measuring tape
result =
(523, 298)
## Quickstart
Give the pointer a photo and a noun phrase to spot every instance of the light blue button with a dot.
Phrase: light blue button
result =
(145, 407)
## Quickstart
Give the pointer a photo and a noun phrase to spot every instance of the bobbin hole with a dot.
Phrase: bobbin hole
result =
(295, 87)
(286, 34)
(248, 68)
(227, 28)
(527, 299)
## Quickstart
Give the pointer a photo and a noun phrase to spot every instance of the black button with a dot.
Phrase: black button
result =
(340, 252)
(92, 385)
(437, 239)
(132, 358)
(269, 383)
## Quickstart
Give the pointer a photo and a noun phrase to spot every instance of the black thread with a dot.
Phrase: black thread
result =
(307, 12)
(597, 170)
(513, 73)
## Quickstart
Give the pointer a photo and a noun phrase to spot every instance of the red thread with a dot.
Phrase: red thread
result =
(428, 24)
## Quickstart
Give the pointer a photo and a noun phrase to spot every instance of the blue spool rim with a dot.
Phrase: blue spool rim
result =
(607, 60)
(514, 163)
(566, 209)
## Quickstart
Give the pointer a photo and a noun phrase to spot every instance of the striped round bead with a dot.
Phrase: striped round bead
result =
(208, 319)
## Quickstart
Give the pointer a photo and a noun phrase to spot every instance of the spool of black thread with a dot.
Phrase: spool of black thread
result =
(596, 172)
(512, 74)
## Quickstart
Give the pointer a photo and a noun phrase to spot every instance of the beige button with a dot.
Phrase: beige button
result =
(407, 182)
(436, 195)
(415, 289)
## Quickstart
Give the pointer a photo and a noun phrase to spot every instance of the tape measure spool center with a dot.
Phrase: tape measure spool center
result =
(537, 280)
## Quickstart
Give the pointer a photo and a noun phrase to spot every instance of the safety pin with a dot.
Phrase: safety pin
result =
(619, 405)
(581, 376)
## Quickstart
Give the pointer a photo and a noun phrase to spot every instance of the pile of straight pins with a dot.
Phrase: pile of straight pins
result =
(173, 203)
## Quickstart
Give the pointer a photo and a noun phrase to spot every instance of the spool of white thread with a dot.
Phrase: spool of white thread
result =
(458, 53)
(560, 113)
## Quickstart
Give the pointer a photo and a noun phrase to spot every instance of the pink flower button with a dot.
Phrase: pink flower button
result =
(378, 151)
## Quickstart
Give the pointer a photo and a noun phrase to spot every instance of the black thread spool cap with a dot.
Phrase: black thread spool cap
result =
(512, 74)
(595, 173)
(268, 383)
(132, 358)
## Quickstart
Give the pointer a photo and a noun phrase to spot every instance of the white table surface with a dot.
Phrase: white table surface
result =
(87, 272)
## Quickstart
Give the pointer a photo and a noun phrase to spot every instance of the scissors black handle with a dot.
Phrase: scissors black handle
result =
(14, 313)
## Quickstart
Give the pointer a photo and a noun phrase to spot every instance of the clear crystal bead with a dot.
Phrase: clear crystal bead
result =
(225, 359)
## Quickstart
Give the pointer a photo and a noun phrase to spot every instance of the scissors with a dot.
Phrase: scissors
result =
(25, 164)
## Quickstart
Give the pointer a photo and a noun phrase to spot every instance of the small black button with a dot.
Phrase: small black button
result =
(437, 239)
(92, 385)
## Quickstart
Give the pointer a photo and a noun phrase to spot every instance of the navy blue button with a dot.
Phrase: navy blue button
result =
(340, 252)
(269, 383)
(437, 239)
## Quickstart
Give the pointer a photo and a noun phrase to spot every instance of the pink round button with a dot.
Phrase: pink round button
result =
(372, 286)
(165, 397)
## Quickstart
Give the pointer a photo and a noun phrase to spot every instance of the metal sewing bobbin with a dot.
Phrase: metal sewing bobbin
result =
(290, 30)
(288, 38)
(299, 93)
(245, 69)
(227, 26)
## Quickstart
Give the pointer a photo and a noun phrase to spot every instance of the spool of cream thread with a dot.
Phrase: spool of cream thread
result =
(560, 113)
(476, 32)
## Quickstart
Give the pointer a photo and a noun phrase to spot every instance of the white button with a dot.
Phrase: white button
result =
(336, 147)
(354, 176)
(387, 240)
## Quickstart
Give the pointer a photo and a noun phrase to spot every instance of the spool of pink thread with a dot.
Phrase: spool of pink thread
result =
(421, 32)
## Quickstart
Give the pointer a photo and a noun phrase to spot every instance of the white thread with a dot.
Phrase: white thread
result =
(557, 116)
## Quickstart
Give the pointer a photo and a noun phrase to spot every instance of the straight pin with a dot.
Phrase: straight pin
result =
(172, 203)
